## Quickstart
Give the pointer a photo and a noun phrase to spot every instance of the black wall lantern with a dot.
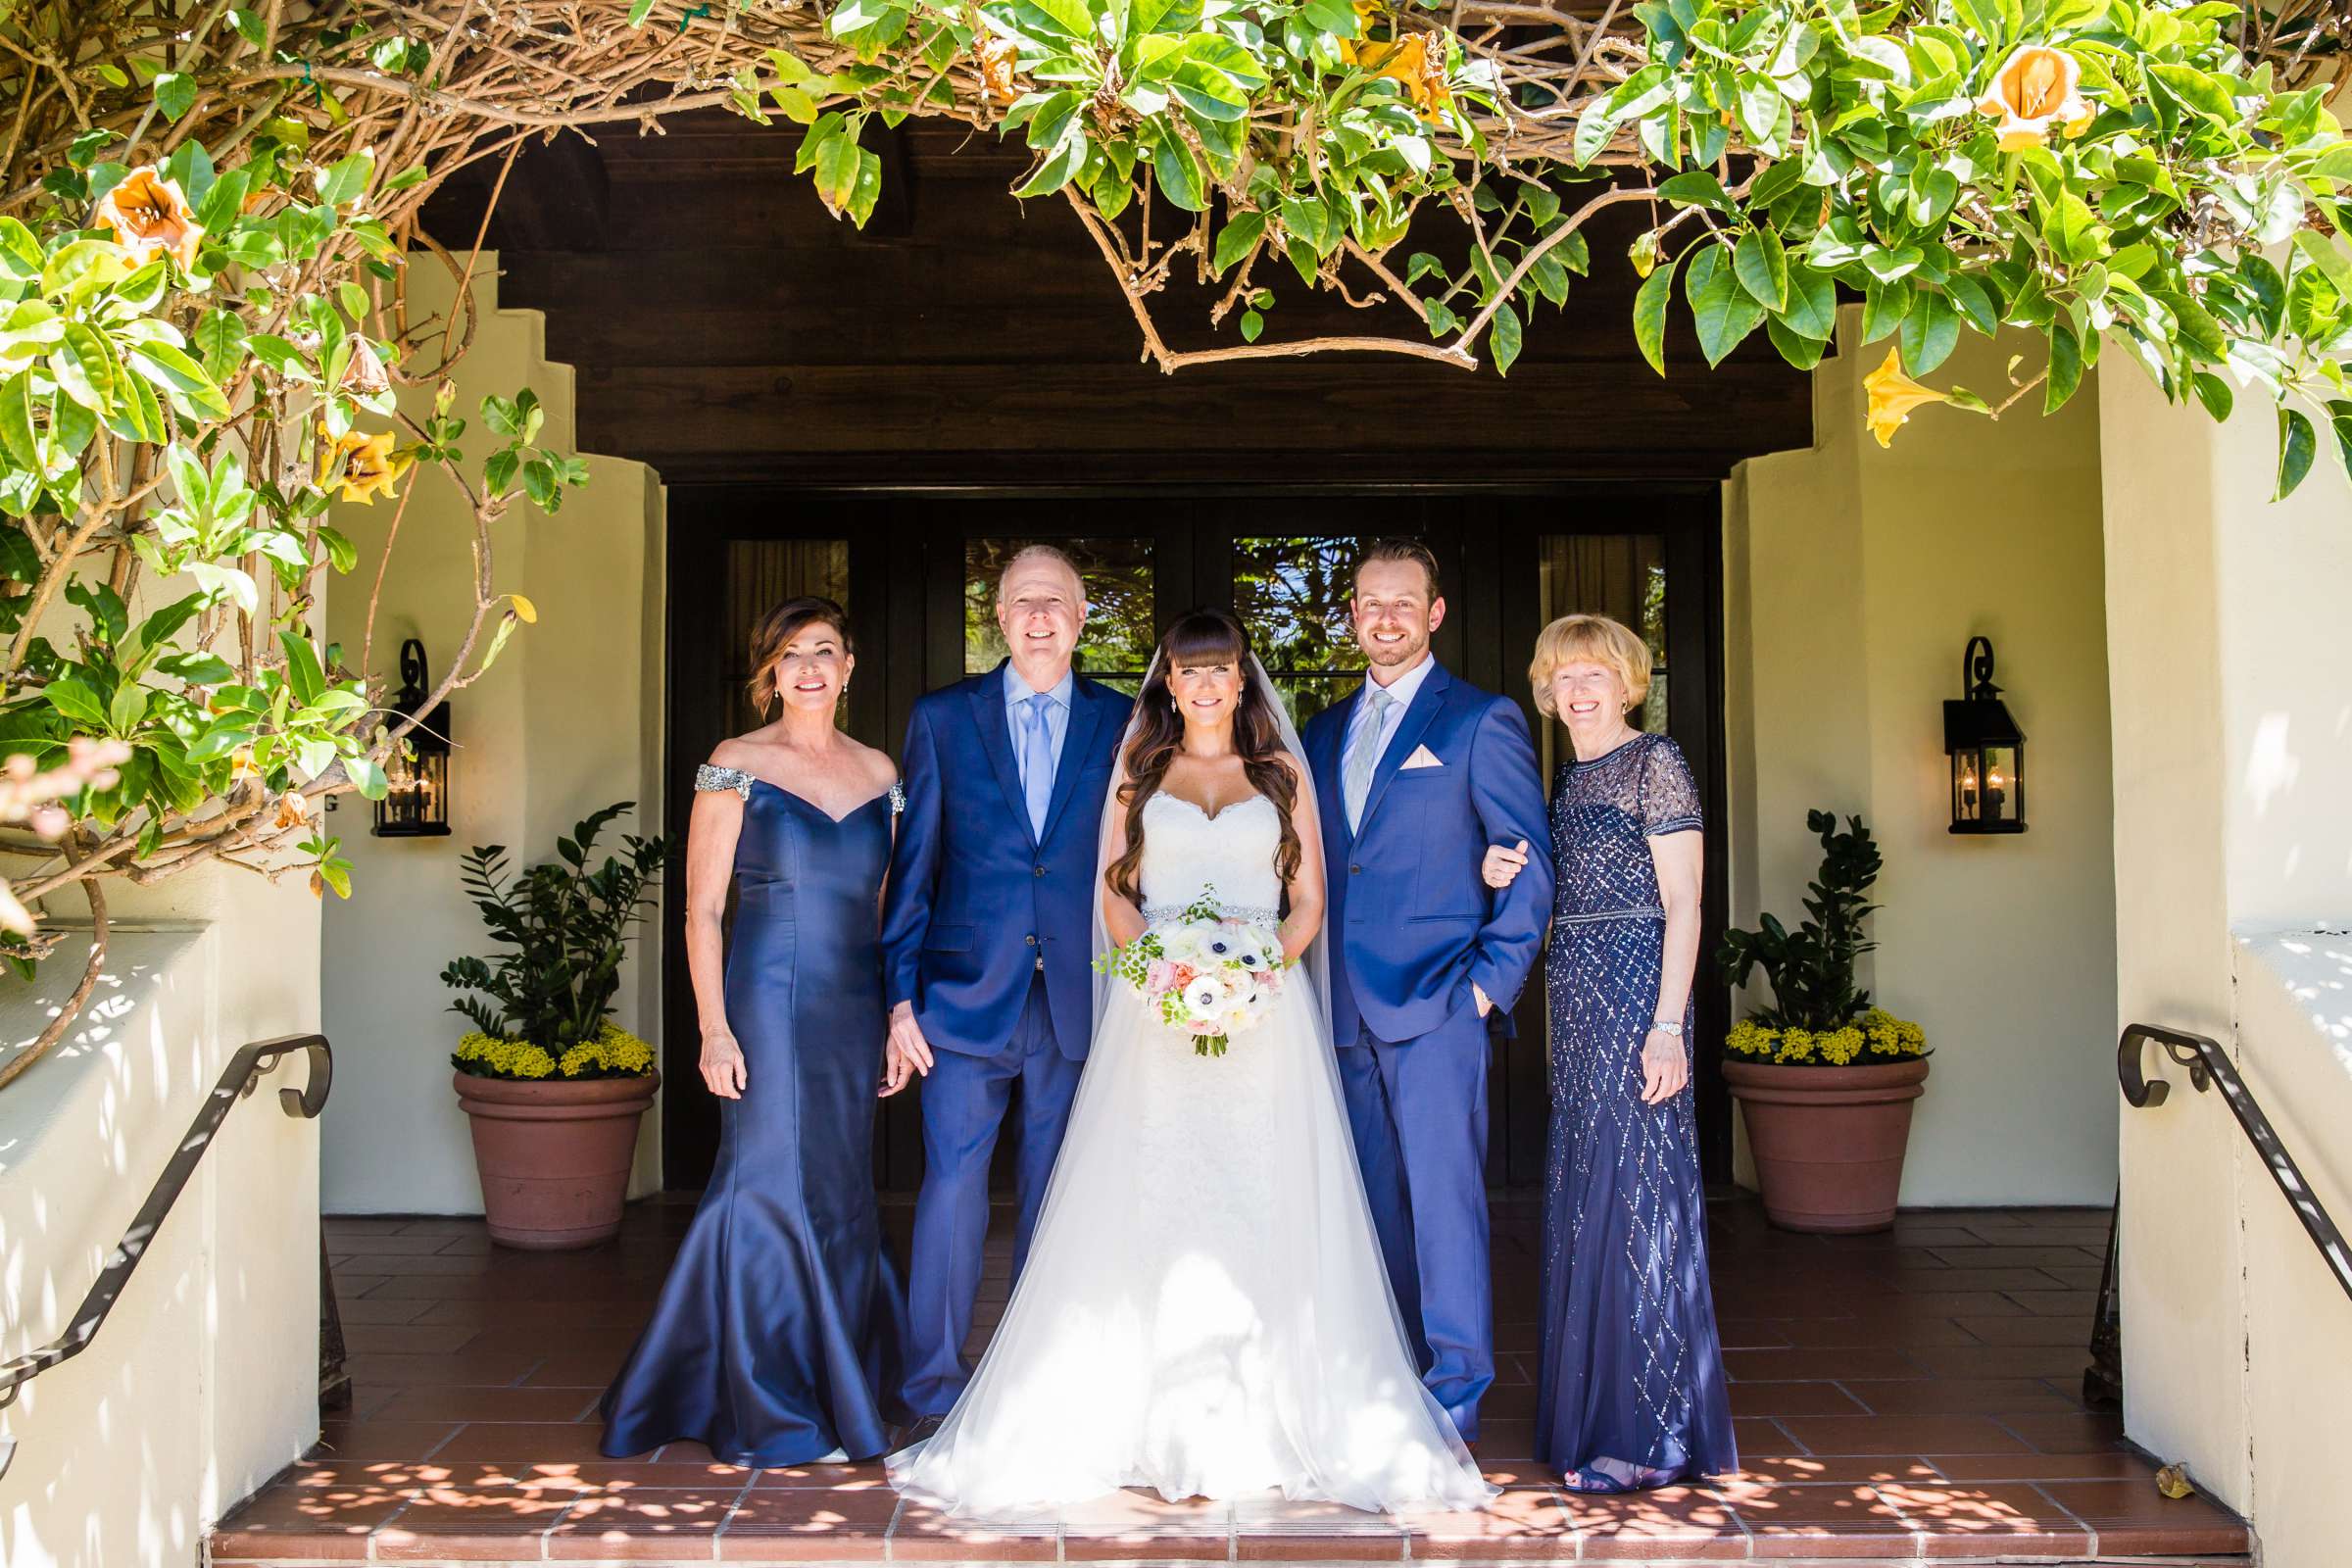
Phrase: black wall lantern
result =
(417, 805)
(1987, 751)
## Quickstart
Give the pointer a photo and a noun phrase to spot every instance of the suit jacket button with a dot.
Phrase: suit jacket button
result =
(1355, 870)
(1031, 940)
(1040, 871)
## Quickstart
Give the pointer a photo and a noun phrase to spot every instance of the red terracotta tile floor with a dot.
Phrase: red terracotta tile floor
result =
(1903, 1397)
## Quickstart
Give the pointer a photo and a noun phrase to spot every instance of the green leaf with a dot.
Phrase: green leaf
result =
(1238, 238)
(220, 339)
(1649, 312)
(346, 179)
(2207, 95)
(1695, 188)
(129, 705)
(2065, 368)
(1800, 351)
(1975, 303)
(84, 368)
(1067, 20)
(1505, 337)
(77, 700)
(2299, 444)
(1884, 306)
(2215, 394)
(19, 253)
(174, 95)
(302, 674)
(1762, 266)
(19, 560)
(867, 188)
(1812, 309)
(172, 369)
(2074, 232)
(1178, 172)
(1252, 323)
(16, 423)
(837, 172)
(1594, 129)
(1928, 332)
(1720, 307)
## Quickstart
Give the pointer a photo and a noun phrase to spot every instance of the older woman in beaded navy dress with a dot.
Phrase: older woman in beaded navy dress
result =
(777, 1338)
(1630, 1390)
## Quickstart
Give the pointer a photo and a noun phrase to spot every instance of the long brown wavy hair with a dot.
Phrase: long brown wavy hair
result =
(1198, 637)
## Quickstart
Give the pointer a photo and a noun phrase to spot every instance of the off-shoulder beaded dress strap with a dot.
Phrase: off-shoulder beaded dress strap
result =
(898, 798)
(709, 777)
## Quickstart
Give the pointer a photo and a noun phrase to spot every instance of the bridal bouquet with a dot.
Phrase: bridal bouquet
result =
(1211, 976)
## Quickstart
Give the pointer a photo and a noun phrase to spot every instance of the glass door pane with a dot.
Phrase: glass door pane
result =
(1621, 576)
(1292, 591)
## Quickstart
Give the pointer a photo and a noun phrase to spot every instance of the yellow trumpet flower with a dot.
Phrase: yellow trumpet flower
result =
(149, 216)
(2035, 85)
(1893, 397)
(363, 465)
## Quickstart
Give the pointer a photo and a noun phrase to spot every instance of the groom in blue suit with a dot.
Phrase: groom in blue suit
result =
(987, 936)
(1416, 776)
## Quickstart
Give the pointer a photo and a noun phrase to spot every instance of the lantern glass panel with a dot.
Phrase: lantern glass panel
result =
(2003, 785)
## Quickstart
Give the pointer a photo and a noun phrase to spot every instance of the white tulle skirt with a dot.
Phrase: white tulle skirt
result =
(1204, 1313)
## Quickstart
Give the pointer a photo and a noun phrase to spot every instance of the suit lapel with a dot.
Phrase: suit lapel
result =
(995, 739)
(1087, 706)
(1331, 746)
(1409, 730)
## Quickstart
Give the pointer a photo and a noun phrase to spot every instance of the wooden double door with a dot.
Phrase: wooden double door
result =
(916, 573)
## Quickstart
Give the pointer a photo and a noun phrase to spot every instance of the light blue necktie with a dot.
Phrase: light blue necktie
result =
(1363, 752)
(1037, 761)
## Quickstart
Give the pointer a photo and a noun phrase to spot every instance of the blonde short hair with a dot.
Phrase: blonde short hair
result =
(1597, 638)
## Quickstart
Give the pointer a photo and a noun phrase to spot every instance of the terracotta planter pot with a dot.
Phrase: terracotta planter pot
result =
(553, 1155)
(1828, 1141)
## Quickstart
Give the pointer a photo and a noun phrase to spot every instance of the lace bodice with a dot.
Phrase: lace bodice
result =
(1603, 815)
(1187, 853)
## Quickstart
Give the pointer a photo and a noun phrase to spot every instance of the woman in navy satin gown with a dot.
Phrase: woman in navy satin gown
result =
(778, 1334)
(1631, 1385)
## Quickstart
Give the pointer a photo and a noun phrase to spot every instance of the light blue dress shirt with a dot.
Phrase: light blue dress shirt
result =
(1402, 690)
(1018, 693)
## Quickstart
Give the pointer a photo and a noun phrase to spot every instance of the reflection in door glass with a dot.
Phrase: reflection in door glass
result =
(1115, 644)
(1621, 576)
(1292, 591)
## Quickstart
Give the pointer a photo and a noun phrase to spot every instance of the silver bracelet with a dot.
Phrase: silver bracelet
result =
(1670, 1026)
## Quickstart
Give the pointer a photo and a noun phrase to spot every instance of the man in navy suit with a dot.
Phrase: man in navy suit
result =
(1417, 774)
(988, 934)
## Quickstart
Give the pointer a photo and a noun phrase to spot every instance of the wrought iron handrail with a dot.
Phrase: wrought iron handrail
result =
(2208, 1064)
(239, 1079)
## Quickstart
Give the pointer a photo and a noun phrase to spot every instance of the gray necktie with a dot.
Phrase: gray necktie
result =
(1037, 761)
(1363, 750)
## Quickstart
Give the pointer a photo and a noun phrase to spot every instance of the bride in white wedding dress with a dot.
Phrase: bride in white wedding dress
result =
(1204, 1312)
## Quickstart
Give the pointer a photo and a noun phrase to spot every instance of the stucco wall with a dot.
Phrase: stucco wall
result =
(566, 721)
(2234, 877)
(204, 1381)
(1854, 577)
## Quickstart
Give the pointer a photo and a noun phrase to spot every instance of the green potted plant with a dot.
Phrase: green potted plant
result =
(553, 1087)
(1825, 1078)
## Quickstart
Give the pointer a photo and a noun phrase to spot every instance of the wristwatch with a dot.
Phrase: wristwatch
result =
(1669, 1026)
